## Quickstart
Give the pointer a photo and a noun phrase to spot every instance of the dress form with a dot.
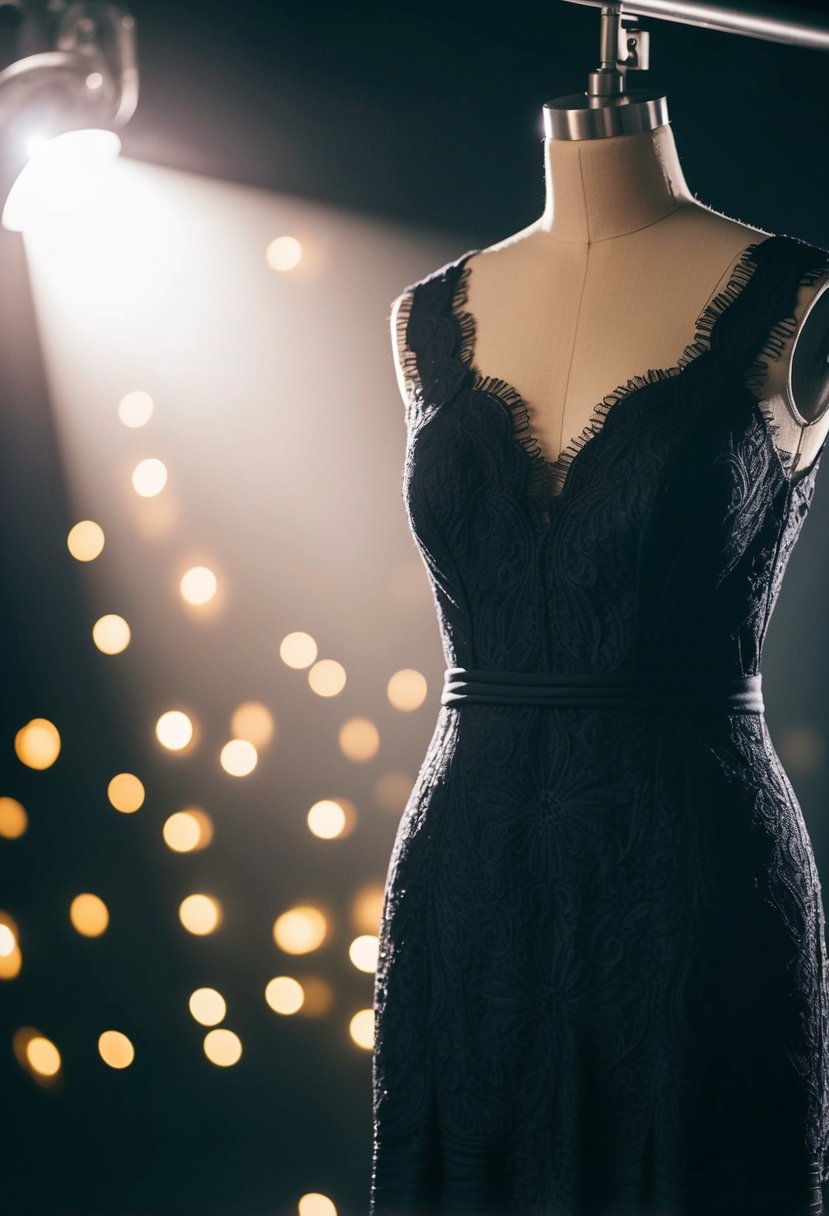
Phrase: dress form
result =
(591, 895)
(610, 281)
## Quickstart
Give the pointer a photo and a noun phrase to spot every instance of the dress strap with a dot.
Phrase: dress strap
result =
(760, 323)
(432, 349)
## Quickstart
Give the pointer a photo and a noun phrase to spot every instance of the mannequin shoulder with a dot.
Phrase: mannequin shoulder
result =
(798, 363)
(809, 362)
(794, 366)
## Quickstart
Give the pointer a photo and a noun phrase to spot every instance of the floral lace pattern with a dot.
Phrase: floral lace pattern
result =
(601, 986)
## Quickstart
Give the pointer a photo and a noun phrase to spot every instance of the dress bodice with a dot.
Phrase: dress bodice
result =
(658, 538)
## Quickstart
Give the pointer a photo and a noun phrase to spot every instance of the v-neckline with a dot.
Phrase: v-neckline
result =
(549, 479)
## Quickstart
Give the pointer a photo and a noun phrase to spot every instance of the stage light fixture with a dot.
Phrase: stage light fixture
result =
(61, 102)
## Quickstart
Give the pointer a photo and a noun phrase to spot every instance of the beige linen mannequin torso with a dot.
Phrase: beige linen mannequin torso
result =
(610, 281)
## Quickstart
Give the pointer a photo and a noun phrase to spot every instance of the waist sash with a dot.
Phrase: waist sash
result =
(648, 690)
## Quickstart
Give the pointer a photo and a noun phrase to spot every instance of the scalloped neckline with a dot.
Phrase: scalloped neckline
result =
(548, 479)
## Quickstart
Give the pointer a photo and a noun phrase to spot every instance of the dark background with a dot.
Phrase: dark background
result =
(430, 114)
(427, 115)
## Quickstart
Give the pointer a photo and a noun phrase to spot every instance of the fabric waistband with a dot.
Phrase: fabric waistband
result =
(649, 690)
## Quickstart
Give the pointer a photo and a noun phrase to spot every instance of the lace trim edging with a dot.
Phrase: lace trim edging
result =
(547, 477)
(406, 357)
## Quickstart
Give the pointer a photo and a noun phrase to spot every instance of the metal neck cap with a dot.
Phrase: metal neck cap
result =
(580, 116)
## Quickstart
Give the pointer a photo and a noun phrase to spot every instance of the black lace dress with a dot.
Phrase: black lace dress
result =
(601, 986)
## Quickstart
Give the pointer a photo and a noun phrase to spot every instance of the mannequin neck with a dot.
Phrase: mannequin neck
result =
(601, 188)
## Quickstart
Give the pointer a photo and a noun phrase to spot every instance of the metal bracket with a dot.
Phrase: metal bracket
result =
(623, 48)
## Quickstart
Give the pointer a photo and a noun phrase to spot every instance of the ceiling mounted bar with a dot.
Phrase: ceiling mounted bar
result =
(771, 22)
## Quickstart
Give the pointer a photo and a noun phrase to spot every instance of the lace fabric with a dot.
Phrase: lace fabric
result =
(601, 985)
(546, 477)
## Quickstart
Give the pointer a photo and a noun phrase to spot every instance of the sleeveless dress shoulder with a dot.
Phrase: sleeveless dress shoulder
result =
(602, 979)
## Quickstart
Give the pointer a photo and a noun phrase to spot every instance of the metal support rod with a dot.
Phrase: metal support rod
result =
(609, 38)
(770, 22)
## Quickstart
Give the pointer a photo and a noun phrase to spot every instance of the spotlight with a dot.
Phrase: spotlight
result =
(59, 103)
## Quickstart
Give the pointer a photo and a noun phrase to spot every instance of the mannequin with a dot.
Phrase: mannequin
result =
(609, 282)
(602, 872)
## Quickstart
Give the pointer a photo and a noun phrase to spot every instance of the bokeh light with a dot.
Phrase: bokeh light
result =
(207, 1006)
(361, 1028)
(254, 722)
(11, 964)
(297, 649)
(111, 633)
(407, 689)
(327, 677)
(359, 740)
(85, 540)
(149, 477)
(188, 830)
(284, 253)
(238, 757)
(198, 585)
(11, 958)
(126, 793)
(326, 819)
(42, 1056)
(363, 952)
(174, 730)
(222, 1047)
(135, 408)
(367, 907)
(200, 914)
(284, 994)
(37, 744)
(89, 914)
(319, 996)
(300, 930)
(115, 1049)
(314, 1203)
(13, 818)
